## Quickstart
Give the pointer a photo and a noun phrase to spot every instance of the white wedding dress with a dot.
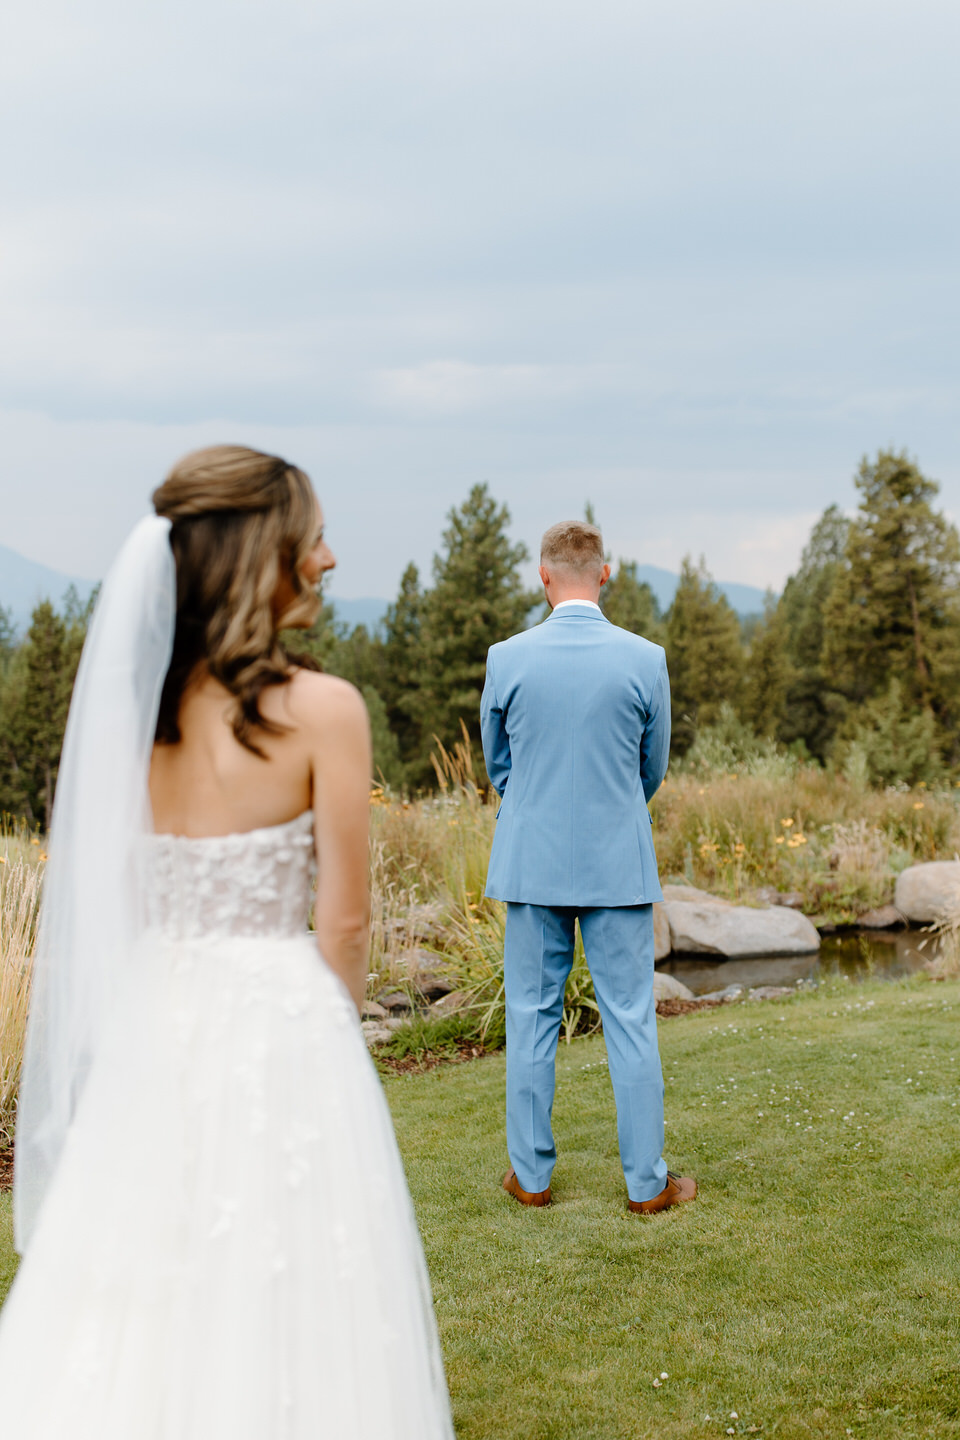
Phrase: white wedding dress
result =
(227, 1250)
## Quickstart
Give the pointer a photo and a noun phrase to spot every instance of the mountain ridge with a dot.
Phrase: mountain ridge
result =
(23, 583)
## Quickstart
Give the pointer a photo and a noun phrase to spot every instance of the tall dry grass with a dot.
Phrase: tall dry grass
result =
(21, 874)
(810, 831)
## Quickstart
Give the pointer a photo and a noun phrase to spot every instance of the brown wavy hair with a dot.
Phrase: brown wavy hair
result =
(242, 523)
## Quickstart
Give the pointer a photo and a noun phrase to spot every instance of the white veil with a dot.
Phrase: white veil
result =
(92, 909)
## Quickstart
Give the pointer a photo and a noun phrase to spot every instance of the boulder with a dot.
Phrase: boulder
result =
(394, 1000)
(451, 1004)
(691, 893)
(729, 992)
(770, 992)
(374, 1032)
(885, 917)
(924, 891)
(738, 932)
(372, 1011)
(667, 987)
(661, 932)
(431, 986)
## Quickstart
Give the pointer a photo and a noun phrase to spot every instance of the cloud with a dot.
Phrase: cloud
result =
(688, 260)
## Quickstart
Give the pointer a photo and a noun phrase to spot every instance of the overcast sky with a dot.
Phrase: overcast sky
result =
(688, 259)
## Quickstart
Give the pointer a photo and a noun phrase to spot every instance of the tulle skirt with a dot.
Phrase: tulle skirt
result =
(228, 1250)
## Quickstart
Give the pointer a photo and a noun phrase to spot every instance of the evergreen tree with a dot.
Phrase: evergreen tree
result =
(893, 612)
(629, 602)
(37, 717)
(814, 708)
(767, 672)
(891, 741)
(477, 599)
(401, 665)
(704, 653)
(386, 753)
(8, 638)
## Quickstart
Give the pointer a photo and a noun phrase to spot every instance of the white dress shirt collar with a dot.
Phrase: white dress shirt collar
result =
(592, 603)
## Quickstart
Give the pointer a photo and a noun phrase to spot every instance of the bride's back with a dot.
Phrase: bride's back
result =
(207, 783)
(245, 739)
(239, 726)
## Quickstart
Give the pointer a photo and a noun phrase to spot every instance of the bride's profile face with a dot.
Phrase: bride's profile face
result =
(321, 558)
(315, 564)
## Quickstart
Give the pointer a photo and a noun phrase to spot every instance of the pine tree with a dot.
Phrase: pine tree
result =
(766, 672)
(38, 718)
(704, 653)
(477, 599)
(386, 754)
(401, 665)
(893, 612)
(629, 602)
(8, 638)
(814, 708)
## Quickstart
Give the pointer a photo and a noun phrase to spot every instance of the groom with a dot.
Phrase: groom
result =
(575, 719)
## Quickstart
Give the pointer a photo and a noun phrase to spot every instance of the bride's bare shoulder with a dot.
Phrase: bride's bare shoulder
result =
(323, 702)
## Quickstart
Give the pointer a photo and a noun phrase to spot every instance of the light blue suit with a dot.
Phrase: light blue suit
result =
(575, 719)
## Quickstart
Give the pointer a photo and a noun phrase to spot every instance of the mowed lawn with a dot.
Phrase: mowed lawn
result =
(812, 1290)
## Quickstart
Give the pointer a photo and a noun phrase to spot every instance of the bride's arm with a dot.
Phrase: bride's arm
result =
(342, 763)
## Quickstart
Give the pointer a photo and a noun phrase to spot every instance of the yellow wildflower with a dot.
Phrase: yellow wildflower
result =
(918, 804)
(778, 840)
(786, 823)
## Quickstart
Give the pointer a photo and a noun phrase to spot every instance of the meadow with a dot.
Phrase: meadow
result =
(811, 1290)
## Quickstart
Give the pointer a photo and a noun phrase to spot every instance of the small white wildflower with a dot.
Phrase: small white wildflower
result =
(734, 1415)
(664, 1375)
(656, 1384)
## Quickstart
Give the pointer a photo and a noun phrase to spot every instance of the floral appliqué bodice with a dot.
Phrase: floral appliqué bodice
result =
(259, 882)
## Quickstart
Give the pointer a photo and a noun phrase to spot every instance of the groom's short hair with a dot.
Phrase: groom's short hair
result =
(572, 545)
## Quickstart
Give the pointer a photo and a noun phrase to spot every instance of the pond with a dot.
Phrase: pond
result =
(883, 954)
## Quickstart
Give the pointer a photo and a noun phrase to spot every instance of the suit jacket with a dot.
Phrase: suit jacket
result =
(575, 720)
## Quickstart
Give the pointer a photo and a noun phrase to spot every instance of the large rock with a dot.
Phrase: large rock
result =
(690, 892)
(925, 891)
(885, 917)
(375, 1033)
(661, 932)
(451, 1004)
(738, 932)
(667, 987)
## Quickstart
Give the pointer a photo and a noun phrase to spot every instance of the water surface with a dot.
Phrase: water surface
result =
(885, 954)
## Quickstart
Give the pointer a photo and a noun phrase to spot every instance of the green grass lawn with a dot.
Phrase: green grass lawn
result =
(812, 1290)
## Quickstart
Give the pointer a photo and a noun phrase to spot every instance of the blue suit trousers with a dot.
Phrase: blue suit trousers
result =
(538, 956)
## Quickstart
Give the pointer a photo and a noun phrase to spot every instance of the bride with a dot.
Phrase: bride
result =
(217, 1239)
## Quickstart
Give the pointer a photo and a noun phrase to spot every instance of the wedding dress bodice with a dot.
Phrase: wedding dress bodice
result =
(258, 882)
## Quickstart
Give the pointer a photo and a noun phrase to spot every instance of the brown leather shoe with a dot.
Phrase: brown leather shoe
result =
(677, 1189)
(526, 1197)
